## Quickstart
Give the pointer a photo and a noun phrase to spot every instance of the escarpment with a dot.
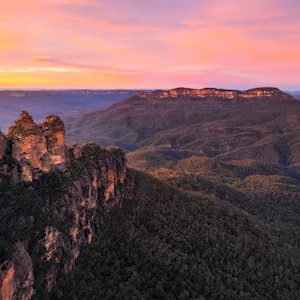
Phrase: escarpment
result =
(54, 199)
(256, 93)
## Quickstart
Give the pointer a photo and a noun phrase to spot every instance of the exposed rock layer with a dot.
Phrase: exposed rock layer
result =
(256, 93)
(3, 145)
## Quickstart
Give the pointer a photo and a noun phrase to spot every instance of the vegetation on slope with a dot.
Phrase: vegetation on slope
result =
(266, 130)
(222, 222)
(171, 244)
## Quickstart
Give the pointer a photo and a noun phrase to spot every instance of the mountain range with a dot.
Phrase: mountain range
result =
(211, 122)
(239, 151)
(204, 206)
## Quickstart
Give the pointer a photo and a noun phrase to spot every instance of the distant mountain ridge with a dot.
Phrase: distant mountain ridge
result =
(255, 93)
(209, 125)
(40, 103)
(296, 94)
(23, 93)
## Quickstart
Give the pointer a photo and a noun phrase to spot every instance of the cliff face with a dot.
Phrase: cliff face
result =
(257, 93)
(78, 187)
(3, 145)
(16, 276)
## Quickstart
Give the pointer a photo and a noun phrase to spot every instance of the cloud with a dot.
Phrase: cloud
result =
(105, 43)
(77, 66)
(42, 70)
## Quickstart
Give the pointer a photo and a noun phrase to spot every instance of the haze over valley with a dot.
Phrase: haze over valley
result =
(63, 103)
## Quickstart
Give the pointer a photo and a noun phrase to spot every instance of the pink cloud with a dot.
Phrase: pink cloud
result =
(142, 43)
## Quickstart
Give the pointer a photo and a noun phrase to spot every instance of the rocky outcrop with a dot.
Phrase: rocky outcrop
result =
(257, 93)
(16, 276)
(54, 132)
(93, 183)
(38, 148)
(3, 145)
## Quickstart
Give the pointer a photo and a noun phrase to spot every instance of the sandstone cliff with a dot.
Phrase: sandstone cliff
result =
(256, 93)
(72, 191)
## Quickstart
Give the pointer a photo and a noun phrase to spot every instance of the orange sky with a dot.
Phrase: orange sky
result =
(149, 43)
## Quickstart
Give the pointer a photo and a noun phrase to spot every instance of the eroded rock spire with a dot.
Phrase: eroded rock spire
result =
(38, 148)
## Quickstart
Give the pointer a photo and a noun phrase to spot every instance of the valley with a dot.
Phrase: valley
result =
(205, 204)
(150, 150)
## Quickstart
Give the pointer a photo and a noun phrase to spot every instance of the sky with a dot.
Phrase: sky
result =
(149, 43)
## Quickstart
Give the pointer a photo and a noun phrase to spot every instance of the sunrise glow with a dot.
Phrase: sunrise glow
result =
(149, 44)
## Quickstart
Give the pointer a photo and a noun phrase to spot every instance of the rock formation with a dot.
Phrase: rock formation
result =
(16, 276)
(257, 93)
(93, 182)
(38, 148)
(3, 145)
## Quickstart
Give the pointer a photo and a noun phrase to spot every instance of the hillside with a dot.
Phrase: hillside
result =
(242, 151)
(269, 192)
(266, 128)
(172, 244)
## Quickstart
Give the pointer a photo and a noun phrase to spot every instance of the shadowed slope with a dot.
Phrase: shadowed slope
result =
(169, 244)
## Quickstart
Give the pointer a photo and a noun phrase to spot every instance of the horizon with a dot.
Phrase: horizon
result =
(141, 44)
(136, 89)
